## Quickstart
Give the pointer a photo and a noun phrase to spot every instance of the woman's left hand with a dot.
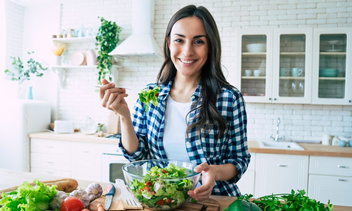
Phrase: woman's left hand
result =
(208, 182)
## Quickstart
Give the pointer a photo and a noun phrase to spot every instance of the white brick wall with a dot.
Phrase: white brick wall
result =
(78, 100)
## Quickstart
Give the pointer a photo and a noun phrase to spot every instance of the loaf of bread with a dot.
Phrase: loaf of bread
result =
(67, 185)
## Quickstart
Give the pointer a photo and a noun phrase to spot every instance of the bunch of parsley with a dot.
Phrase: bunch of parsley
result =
(288, 202)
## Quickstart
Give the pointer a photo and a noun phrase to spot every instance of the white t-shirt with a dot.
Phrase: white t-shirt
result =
(175, 129)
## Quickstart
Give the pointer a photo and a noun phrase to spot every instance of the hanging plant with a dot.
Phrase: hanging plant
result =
(106, 41)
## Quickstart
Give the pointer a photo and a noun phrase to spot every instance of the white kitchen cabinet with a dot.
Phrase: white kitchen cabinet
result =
(79, 160)
(292, 65)
(50, 157)
(254, 88)
(285, 49)
(277, 173)
(86, 161)
(332, 66)
(246, 183)
(330, 178)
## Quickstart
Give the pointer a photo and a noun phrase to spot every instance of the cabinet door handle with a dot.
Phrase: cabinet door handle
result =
(49, 162)
(275, 98)
(343, 167)
(281, 165)
(350, 101)
(269, 98)
(342, 180)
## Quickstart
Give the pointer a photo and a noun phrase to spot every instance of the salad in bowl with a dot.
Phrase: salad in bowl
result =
(161, 184)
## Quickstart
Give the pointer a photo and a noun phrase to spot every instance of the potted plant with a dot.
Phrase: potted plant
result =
(106, 41)
(20, 73)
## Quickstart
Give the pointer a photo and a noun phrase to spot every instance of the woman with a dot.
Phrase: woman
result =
(199, 117)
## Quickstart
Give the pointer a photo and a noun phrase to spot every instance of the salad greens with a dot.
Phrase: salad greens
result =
(28, 198)
(288, 202)
(156, 193)
(149, 95)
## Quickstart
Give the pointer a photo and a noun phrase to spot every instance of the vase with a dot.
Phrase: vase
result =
(58, 60)
(21, 91)
(30, 93)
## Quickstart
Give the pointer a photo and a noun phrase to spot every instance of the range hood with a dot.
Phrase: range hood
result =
(141, 42)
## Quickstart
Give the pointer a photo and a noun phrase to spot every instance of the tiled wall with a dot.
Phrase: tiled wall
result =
(78, 99)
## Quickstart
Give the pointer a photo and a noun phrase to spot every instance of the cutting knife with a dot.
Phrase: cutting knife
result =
(109, 196)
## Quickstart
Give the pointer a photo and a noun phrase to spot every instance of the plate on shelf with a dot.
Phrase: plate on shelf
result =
(78, 58)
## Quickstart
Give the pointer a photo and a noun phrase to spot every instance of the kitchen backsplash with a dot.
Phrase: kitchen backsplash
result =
(78, 99)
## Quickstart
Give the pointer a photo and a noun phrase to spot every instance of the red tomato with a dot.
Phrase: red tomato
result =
(148, 183)
(164, 171)
(160, 202)
(147, 188)
(168, 200)
(71, 204)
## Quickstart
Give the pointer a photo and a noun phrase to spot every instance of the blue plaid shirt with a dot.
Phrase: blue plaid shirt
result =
(201, 145)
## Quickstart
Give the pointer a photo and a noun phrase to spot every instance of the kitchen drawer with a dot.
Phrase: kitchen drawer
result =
(50, 161)
(337, 189)
(51, 172)
(50, 146)
(330, 166)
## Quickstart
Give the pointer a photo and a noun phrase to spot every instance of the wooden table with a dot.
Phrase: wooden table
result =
(10, 178)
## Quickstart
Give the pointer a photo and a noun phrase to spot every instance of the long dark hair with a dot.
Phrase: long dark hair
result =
(212, 78)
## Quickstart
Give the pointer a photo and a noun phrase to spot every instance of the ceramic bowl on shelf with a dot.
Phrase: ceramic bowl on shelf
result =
(256, 47)
(161, 184)
(328, 72)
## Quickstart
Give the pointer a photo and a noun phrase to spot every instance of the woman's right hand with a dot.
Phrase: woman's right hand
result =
(114, 98)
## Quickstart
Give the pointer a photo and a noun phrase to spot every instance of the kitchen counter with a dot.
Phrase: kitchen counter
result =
(309, 149)
(10, 178)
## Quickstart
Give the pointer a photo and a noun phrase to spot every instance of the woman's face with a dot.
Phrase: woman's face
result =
(188, 46)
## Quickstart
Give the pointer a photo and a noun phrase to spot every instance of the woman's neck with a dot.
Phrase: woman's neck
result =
(183, 88)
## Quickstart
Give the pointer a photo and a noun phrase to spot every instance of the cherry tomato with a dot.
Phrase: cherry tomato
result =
(160, 202)
(148, 183)
(147, 188)
(164, 171)
(71, 204)
(168, 200)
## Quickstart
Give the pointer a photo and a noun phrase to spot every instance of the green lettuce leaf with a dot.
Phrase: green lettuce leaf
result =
(28, 198)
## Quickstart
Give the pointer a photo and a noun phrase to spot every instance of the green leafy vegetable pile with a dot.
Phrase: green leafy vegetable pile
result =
(28, 198)
(285, 202)
(149, 95)
(156, 193)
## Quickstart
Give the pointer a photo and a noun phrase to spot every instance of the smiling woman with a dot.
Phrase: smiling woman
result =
(197, 116)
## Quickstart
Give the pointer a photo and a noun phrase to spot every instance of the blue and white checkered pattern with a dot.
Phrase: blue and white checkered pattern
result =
(202, 146)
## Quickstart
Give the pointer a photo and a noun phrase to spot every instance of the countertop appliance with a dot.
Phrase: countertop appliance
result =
(18, 118)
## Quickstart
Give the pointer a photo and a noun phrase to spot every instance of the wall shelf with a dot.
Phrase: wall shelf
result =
(75, 39)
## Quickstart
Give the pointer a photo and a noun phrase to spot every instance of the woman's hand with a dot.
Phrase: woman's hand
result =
(114, 98)
(208, 182)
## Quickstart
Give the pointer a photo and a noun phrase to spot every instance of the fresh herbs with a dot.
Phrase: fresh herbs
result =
(288, 202)
(149, 95)
(29, 198)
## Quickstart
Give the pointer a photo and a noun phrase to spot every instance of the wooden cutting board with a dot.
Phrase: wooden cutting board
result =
(206, 205)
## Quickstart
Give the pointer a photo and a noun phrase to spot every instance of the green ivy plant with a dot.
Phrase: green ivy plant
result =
(106, 41)
(20, 73)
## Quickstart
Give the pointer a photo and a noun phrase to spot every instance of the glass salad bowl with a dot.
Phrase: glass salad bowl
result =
(160, 184)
